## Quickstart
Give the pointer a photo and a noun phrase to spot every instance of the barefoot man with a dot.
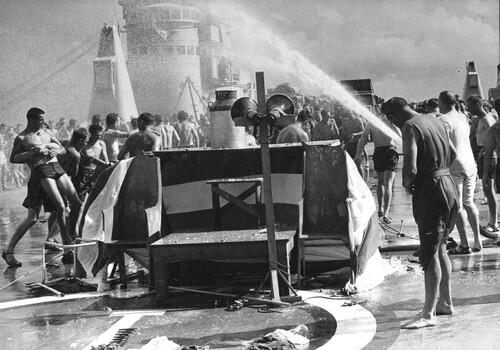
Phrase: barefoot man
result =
(428, 153)
(385, 162)
(48, 183)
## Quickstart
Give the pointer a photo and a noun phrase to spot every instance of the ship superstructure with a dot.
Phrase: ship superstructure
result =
(177, 55)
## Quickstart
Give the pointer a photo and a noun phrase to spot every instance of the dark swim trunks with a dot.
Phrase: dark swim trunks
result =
(51, 170)
(385, 158)
(351, 148)
(84, 181)
(491, 170)
(36, 194)
(435, 210)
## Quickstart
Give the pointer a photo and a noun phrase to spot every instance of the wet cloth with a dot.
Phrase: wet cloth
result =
(385, 158)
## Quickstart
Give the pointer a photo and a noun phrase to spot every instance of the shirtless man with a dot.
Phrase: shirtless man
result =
(158, 127)
(326, 129)
(385, 161)
(93, 154)
(186, 131)
(492, 146)
(294, 132)
(69, 161)
(145, 140)
(463, 171)
(173, 139)
(111, 135)
(487, 175)
(38, 148)
(352, 129)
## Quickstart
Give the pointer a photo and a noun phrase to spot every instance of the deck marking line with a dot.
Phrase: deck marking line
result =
(159, 312)
(356, 326)
(50, 299)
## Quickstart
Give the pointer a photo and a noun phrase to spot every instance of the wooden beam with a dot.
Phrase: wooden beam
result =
(268, 194)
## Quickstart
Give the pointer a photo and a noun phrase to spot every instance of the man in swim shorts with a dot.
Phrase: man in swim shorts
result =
(48, 184)
(385, 161)
(428, 154)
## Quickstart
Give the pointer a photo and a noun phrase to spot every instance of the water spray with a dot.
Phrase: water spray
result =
(264, 50)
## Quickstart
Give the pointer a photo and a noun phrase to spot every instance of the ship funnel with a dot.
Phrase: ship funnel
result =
(472, 83)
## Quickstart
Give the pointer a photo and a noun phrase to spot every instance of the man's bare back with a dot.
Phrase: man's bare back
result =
(187, 134)
(145, 140)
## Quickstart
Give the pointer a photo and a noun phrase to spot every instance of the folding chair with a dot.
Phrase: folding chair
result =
(47, 284)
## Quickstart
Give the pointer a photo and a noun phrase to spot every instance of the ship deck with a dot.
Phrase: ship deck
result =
(83, 318)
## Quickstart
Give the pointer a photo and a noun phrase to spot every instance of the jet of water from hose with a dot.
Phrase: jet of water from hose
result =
(260, 49)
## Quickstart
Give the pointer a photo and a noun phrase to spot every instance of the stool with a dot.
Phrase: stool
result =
(238, 200)
(46, 284)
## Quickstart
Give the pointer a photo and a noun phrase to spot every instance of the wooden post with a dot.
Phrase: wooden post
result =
(268, 194)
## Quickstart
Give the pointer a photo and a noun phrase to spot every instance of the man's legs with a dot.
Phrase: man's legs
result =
(444, 305)
(389, 176)
(432, 278)
(489, 193)
(380, 192)
(472, 211)
(21, 230)
(67, 188)
(51, 189)
(462, 215)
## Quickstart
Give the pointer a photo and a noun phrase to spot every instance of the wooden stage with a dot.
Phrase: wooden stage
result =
(249, 246)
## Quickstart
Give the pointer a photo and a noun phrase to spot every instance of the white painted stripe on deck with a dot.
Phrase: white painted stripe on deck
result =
(356, 326)
(50, 299)
(159, 312)
(105, 338)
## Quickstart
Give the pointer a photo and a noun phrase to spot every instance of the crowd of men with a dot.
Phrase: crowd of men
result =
(60, 164)
(447, 145)
(445, 149)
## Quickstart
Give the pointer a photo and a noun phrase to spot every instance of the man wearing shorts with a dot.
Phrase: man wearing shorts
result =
(428, 154)
(492, 146)
(385, 161)
(463, 170)
(486, 172)
(37, 147)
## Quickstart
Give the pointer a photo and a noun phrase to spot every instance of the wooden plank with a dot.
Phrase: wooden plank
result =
(268, 193)
(235, 180)
(244, 195)
(232, 199)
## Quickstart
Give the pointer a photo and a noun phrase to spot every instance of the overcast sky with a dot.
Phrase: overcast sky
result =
(409, 48)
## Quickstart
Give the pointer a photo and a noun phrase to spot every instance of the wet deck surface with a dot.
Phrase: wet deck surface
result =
(64, 323)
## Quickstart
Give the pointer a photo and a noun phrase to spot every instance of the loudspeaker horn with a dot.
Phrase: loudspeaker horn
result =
(244, 112)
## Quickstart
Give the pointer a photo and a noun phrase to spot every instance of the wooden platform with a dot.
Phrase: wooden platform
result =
(242, 246)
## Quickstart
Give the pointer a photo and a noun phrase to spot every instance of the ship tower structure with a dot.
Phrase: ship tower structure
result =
(111, 90)
(177, 55)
